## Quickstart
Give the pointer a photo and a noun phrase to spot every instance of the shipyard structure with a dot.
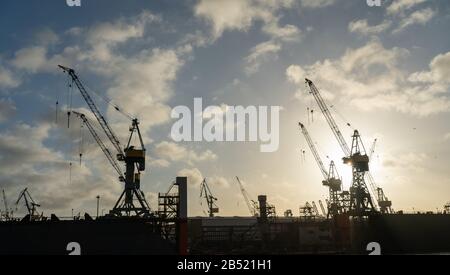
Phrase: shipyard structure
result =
(360, 220)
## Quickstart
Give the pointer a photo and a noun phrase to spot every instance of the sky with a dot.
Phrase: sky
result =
(384, 70)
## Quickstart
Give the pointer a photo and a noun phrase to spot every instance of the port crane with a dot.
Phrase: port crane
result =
(360, 199)
(316, 210)
(324, 213)
(331, 177)
(251, 204)
(6, 215)
(133, 157)
(205, 192)
(30, 204)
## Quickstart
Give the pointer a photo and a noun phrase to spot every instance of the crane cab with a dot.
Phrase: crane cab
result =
(136, 156)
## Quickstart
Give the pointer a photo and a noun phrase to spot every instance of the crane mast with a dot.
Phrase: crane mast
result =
(206, 193)
(251, 204)
(361, 202)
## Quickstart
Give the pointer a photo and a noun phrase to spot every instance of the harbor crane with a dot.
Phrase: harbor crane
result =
(205, 192)
(30, 204)
(360, 199)
(331, 177)
(324, 213)
(133, 157)
(251, 204)
(6, 215)
(316, 210)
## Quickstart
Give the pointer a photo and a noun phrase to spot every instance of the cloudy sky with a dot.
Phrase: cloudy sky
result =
(385, 70)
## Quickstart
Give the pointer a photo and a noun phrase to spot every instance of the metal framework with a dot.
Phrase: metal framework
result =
(206, 193)
(361, 202)
(30, 204)
(134, 158)
(6, 215)
(331, 178)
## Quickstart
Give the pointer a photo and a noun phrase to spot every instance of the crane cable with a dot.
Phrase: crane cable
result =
(111, 103)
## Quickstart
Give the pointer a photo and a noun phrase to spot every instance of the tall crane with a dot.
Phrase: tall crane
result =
(30, 204)
(133, 157)
(251, 204)
(6, 214)
(361, 202)
(206, 193)
(324, 213)
(331, 177)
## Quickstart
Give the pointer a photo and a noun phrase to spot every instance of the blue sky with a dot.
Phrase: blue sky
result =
(385, 69)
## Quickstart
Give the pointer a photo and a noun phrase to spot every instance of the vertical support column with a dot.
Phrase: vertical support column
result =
(262, 207)
(182, 227)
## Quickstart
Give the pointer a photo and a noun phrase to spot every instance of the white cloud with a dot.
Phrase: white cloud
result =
(8, 79)
(286, 33)
(229, 15)
(260, 54)
(194, 176)
(48, 180)
(316, 3)
(369, 78)
(176, 152)
(439, 71)
(121, 30)
(399, 6)
(239, 15)
(295, 74)
(363, 27)
(7, 109)
(30, 59)
(420, 17)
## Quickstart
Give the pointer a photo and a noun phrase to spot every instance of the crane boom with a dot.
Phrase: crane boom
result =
(314, 151)
(98, 115)
(251, 207)
(331, 122)
(102, 146)
(372, 149)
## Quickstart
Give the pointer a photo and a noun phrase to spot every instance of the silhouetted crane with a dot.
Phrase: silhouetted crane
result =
(206, 193)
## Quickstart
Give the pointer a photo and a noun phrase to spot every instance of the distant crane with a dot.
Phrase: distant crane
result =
(133, 157)
(316, 210)
(205, 192)
(360, 200)
(447, 208)
(324, 213)
(6, 215)
(331, 177)
(30, 204)
(251, 204)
